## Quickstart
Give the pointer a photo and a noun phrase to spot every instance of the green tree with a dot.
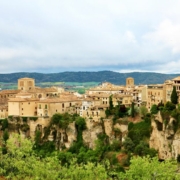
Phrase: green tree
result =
(4, 124)
(174, 96)
(128, 144)
(110, 103)
(143, 111)
(21, 163)
(56, 118)
(143, 168)
(132, 110)
(5, 136)
(169, 106)
(154, 109)
(80, 126)
(37, 138)
(107, 112)
(81, 123)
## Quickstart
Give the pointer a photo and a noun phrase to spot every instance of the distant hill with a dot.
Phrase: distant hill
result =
(100, 76)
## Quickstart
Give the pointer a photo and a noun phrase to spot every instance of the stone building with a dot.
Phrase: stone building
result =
(26, 84)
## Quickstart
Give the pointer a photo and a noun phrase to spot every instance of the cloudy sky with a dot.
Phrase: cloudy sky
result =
(89, 35)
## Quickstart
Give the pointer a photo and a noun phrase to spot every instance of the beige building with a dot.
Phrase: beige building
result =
(6, 94)
(124, 99)
(48, 107)
(176, 83)
(155, 94)
(129, 82)
(107, 88)
(3, 111)
(25, 107)
(26, 84)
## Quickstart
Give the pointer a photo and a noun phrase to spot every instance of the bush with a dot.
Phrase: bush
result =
(154, 109)
(33, 118)
(116, 145)
(4, 124)
(169, 106)
(139, 131)
(24, 119)
(128, 144)
(130, 126)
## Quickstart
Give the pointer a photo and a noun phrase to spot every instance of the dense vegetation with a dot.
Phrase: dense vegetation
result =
(101, 76)
(20, 162)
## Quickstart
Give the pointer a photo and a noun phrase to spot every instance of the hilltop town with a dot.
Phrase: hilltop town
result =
(92, 127)
(42, 103)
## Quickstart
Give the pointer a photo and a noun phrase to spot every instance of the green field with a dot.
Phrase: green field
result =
(69, 86)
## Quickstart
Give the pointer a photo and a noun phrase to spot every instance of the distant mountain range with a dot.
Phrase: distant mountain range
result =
(100, 76)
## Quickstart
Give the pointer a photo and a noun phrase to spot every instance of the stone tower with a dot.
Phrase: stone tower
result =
(129, 81)
(26, 84)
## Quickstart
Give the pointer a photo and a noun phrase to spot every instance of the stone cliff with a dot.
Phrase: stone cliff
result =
(165, 138)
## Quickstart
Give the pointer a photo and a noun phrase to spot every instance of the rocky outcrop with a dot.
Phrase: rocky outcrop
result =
(95, 128)
(64, 138)
(165, 140)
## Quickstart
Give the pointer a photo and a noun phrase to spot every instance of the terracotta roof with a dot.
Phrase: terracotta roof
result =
(99, 95)
(23, 94)
(58, 100)
(3, 107)
(18, 99)
(8, 91)
(176, 78)
(42, 90)
(121, 95)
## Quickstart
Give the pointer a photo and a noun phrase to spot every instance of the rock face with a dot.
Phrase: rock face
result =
(164, 138)
(91, 133)
(106, 126)
(64, 138)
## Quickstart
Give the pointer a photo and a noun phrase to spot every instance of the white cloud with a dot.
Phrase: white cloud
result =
(42, 35)
(167, 34)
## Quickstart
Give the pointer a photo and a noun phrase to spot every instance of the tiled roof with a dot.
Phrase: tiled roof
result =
(58, 100)
(8, 91)
(18, 99)
(176, 78)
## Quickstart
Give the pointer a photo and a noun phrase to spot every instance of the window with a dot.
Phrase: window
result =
(39, 96)
(62, 105)
(45, 106)
(39, 106)
(22, 108)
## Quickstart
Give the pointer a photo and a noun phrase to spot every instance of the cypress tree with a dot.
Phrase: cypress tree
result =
(174, 96)
(132, 110)
(110, 103)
